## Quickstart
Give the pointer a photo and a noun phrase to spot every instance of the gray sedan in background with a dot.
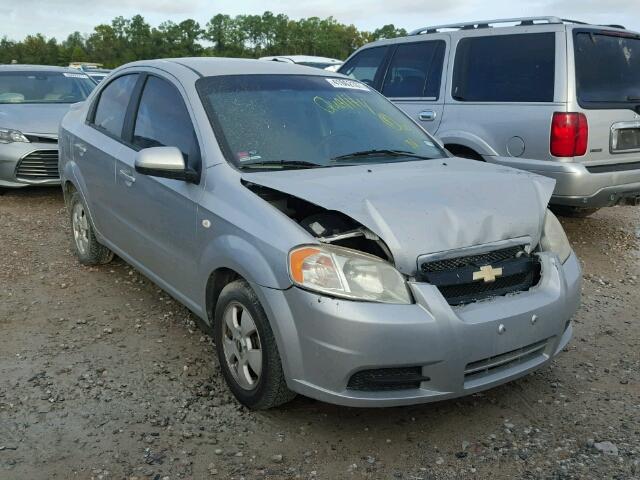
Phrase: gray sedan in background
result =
(33, 100)
(334, 248)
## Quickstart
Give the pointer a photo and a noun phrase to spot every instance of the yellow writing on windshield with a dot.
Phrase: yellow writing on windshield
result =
(342, 102)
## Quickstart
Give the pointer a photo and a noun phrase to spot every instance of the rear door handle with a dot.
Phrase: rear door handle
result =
(81, 148)
(427, 115)
(128, 178)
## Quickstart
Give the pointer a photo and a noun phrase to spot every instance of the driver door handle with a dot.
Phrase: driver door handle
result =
(427, 115)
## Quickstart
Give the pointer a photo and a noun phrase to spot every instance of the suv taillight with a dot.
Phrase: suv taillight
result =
(569, 134)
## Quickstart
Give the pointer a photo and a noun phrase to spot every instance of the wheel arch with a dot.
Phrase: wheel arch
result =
(468, 141)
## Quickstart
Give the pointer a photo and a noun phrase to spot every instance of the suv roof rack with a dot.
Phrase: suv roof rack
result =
(521, 21)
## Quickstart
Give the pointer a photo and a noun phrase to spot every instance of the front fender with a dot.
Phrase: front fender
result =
(266, 267)
(467, 139)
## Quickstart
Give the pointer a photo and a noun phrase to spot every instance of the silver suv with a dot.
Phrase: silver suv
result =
(556, 97)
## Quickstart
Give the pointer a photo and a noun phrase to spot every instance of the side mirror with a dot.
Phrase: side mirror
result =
(165, 162)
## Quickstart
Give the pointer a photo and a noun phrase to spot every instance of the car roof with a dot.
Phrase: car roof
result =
(215, 66)
(486, 27)
(303, 58)
(36, 68)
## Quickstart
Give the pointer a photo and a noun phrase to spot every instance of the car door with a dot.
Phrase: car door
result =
(413, 79)
(98, 145)
(159, 214)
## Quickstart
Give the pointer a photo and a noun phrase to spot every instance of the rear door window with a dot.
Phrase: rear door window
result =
(112, 104)
(607, 69)
(505, 68)
(163, 120)
(365, 66)
(415, 70)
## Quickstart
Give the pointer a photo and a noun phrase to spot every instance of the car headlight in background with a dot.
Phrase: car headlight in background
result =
(347, 273)
(9, 136)
(553, 237)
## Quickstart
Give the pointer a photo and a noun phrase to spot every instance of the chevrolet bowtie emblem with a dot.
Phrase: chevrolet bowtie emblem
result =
(487, 273)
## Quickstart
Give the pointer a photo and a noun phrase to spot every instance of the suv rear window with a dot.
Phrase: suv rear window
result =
(607, 69)
(415, 70)
(505, 68)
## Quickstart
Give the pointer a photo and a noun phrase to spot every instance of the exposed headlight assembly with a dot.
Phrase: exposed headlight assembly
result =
(554, 239)
(347, 273)
(9, 136)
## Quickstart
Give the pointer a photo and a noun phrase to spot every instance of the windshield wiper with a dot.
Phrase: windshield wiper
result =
(380, 152)
(281, 163)
(632, 98)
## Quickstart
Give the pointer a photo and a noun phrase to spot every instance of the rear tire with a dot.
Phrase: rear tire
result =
(247, 349)
(88, 250)
(464, 152)
(573, 212)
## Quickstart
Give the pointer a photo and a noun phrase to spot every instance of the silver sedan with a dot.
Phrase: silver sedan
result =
(334, 247)
(33, 100)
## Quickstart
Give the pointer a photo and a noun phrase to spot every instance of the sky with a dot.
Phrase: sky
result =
(58, 18)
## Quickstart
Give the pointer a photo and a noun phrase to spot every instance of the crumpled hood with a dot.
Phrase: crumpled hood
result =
(426, 206)
(33, 118)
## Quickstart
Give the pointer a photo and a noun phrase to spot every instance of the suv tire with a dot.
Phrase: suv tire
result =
(247, 349)
(88, 250)
(573, 212)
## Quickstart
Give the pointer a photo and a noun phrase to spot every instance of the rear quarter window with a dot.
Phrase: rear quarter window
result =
(505, 68)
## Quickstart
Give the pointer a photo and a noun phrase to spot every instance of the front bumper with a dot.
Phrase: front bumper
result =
(10, 156)
(324, 341)
(576, 186)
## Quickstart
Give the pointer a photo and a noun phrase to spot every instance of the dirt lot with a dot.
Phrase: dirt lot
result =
(102, 375)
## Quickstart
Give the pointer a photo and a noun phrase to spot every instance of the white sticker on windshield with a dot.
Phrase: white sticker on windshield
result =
(74, 75)
(344, 83)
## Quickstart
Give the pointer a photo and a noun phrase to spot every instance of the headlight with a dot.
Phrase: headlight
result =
(347, 273)
(554, 239)
(9, 136)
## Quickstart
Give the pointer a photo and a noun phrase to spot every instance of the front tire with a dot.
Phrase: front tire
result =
(247, 349)
(88, 250)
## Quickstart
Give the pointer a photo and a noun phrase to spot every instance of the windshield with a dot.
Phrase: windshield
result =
(44, 87)
(317, 121)
(607, 69)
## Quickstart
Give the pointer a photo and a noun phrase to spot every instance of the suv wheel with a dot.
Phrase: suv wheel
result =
(88, 250)
(574, 212)
(247, 349)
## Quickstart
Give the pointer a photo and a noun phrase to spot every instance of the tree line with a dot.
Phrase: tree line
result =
(128, 39)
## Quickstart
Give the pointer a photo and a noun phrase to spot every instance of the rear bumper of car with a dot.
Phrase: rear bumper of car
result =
(11, 154)
(326, 342)
(577, 186)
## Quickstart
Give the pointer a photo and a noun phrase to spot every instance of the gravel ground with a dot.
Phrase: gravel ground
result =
(103, 375)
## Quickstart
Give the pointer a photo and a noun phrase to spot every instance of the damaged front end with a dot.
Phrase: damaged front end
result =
(327, 226)
(349, 262)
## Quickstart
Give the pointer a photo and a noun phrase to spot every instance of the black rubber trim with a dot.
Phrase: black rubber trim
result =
(615, 167)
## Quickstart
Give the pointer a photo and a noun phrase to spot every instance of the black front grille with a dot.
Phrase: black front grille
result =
(488, 258)
(39, 165)
(385, 379)
(454, 277)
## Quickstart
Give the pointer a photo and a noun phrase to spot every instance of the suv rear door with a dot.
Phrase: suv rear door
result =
(409, 73)
(607, 90)
(505, 85)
